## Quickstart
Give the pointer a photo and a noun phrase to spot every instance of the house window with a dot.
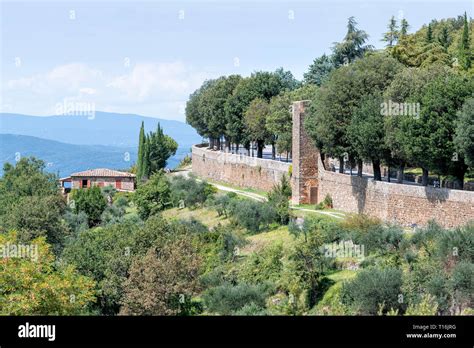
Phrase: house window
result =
(84, 183)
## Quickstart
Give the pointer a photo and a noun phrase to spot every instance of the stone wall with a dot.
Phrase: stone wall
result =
(239, 170)
(400, 203)
(304, 180)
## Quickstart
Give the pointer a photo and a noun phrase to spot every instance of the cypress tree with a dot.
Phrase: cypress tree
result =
(146, 158)
(429, 34)
(444, 38)
(464, 47)
(141, 153)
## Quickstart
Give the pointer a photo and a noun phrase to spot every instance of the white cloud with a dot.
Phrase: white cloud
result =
(149, 88)
(157, 79)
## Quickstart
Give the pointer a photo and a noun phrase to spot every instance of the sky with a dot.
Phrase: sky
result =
(147, 57)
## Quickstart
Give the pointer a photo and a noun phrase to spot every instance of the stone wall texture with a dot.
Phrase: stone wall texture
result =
(305, 160)
(399, 203)
(239, 170)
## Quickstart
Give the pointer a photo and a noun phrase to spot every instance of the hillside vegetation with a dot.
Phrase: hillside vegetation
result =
(179, 245)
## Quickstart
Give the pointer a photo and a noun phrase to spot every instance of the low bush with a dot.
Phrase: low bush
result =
(188, 192)
(372, 289)
(253, 216)
(90, 201)
(279, 197)
(222, 203)
(266, 265)
(325, 204)
(229, 299)
(153, 196)
(382, 239)
(185, 162)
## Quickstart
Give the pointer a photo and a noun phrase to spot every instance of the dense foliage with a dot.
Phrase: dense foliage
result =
(154, 149)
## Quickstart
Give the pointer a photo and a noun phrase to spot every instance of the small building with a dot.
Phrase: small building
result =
(101, 177)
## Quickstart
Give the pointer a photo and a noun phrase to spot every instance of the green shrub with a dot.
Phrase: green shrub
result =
(306, 264)
(278, 198)
(90, 201)
(222, 203)
(190, 192)
(185, 162)
(266, 265)
(251, 309)
(326, 203)
(427, 306)
(228, 244)
(359, 223)
(457, 244)
(106, 253)
(461, 286)
(123, 194)
(112, 214)
(252, 215)
(153, 196)
(228, 299)
(77, 222)
(383, 239)
(372, 288)
(121, 202)
(109, 192)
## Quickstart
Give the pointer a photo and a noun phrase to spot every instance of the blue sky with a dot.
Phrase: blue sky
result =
(147, 57)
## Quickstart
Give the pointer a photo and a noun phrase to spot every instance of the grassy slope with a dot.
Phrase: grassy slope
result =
(206, 216)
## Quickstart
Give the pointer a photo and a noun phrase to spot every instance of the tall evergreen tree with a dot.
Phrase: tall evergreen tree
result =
(404, 27)
(141, 152)
(353, 46)
(429, 34)
(318, 72)
(464, 46)
(444, 38)
(160, 147)
(146, 163)
(391, 36)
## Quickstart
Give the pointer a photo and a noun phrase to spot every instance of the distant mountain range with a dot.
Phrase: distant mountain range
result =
(104, 129)
(75, 143)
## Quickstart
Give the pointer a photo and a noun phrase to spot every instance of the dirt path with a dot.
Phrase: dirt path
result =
(258, 197)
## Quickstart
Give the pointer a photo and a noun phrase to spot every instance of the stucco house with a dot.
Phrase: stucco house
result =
(121, 181)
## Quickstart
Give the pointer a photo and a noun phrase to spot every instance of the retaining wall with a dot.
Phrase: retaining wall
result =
(399, 203)
(239, 170)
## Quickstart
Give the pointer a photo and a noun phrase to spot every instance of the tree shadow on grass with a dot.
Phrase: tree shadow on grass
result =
(322, 288)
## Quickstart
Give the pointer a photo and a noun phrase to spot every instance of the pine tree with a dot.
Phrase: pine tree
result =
(404, 27)
(429, 34)
(352, 47)
(141, 153)
(391, 36)
(464, 47)
(443, 38)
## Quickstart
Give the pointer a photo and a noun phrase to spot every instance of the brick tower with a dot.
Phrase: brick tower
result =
(305, 159)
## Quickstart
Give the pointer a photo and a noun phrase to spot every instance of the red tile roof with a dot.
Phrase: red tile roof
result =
(104, 172)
